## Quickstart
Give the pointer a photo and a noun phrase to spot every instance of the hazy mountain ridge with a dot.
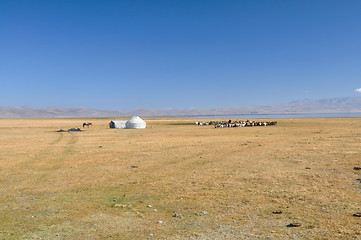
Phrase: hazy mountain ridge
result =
(332, 105)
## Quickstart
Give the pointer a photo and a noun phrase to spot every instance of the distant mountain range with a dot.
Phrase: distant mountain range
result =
(333, 105)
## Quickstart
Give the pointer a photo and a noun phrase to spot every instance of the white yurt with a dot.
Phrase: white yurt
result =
(117, 124)
(135, 122)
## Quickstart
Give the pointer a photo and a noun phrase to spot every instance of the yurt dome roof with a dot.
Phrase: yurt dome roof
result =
(135, 122)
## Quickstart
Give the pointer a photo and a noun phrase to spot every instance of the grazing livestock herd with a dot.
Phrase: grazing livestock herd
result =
(230, 123)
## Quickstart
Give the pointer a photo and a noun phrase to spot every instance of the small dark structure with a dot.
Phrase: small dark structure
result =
(117, 124)
(70, 130)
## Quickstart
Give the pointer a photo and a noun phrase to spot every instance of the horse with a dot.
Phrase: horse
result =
(87, 124)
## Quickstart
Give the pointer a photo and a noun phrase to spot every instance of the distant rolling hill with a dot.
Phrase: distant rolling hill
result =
(333, 105)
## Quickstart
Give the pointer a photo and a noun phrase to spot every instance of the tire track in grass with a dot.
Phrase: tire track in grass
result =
(51, 157)
(31, 174)
(38, 156)
(58, 152)
(47, 160)
(68, 150)
(58, 139)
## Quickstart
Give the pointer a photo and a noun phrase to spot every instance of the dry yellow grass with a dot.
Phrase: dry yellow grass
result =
(97, 184)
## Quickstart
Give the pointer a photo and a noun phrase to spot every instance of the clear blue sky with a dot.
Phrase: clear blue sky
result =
(177, 53)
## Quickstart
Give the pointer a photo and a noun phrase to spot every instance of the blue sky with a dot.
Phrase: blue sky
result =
(177, 54)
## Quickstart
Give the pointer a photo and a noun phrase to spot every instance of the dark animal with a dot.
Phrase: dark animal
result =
(87, 124)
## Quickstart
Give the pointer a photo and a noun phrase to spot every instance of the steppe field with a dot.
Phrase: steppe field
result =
(300, 179)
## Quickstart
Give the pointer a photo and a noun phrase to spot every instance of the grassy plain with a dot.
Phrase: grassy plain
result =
(223, 183)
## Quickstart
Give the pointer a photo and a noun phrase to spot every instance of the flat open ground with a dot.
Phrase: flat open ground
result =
(223, 183)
